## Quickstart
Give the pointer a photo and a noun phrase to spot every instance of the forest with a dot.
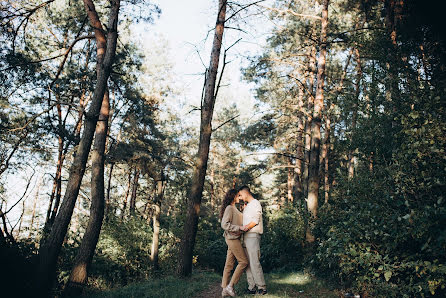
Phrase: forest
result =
(113, 173)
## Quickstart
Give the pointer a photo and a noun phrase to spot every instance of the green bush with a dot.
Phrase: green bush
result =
(281, 245)
(210, 246)
(374, 243)
(123, 251)
(122, 254)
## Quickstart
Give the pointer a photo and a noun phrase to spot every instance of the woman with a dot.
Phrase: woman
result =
(231, 222)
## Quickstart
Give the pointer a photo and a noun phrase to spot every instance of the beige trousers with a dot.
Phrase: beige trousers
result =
(235, 251)
(254, 272)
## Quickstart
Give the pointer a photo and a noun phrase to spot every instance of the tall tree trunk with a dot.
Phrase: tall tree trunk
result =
(298, 189)
(207, 109)
(290, 180)
(106, 48)
(393, 16)
(212, 189)
(159, 191)
(107, 198)
(82, 262)
(312, 67)
(129, 185)
(351, 155)
(58, 181)
(326, 154)
(52, 211)
(134, 191)
(313, 177)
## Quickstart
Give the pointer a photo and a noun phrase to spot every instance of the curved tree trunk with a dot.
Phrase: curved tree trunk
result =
(106, 48)
(79, 273)
(207, 109)
(313, 179)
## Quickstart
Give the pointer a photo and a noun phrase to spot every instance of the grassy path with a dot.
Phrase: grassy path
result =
(207, 285)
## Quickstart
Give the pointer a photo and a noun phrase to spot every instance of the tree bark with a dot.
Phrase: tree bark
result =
(312, 67)
(129, 185)
(134, 191)
(212, 189)
(393, 16)
(290, 181)
(351, 155)
(159, 191)
(79, 273)
(106, 48)
(326, 154)
(298, 189)
(57, 187)
(313, 179)
(50, 210)
(107, 198)
(207, 109)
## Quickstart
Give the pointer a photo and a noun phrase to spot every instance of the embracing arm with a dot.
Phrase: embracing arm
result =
(249, 226)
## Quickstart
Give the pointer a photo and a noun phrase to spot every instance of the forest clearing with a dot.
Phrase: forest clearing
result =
(285, 148)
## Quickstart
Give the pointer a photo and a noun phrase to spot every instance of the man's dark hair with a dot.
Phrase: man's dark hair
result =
(245, 187)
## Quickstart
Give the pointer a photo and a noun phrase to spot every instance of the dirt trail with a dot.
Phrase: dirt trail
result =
(213, 291)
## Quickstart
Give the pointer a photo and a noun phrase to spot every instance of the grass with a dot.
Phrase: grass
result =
(169, 286)
(291, 284)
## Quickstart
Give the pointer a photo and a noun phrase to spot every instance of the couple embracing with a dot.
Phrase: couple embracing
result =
(246, 226)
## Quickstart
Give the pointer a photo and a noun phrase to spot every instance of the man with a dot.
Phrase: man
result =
(253, 227)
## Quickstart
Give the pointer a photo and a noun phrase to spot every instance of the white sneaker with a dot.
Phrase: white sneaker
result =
(224, 292)
(230, 291)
